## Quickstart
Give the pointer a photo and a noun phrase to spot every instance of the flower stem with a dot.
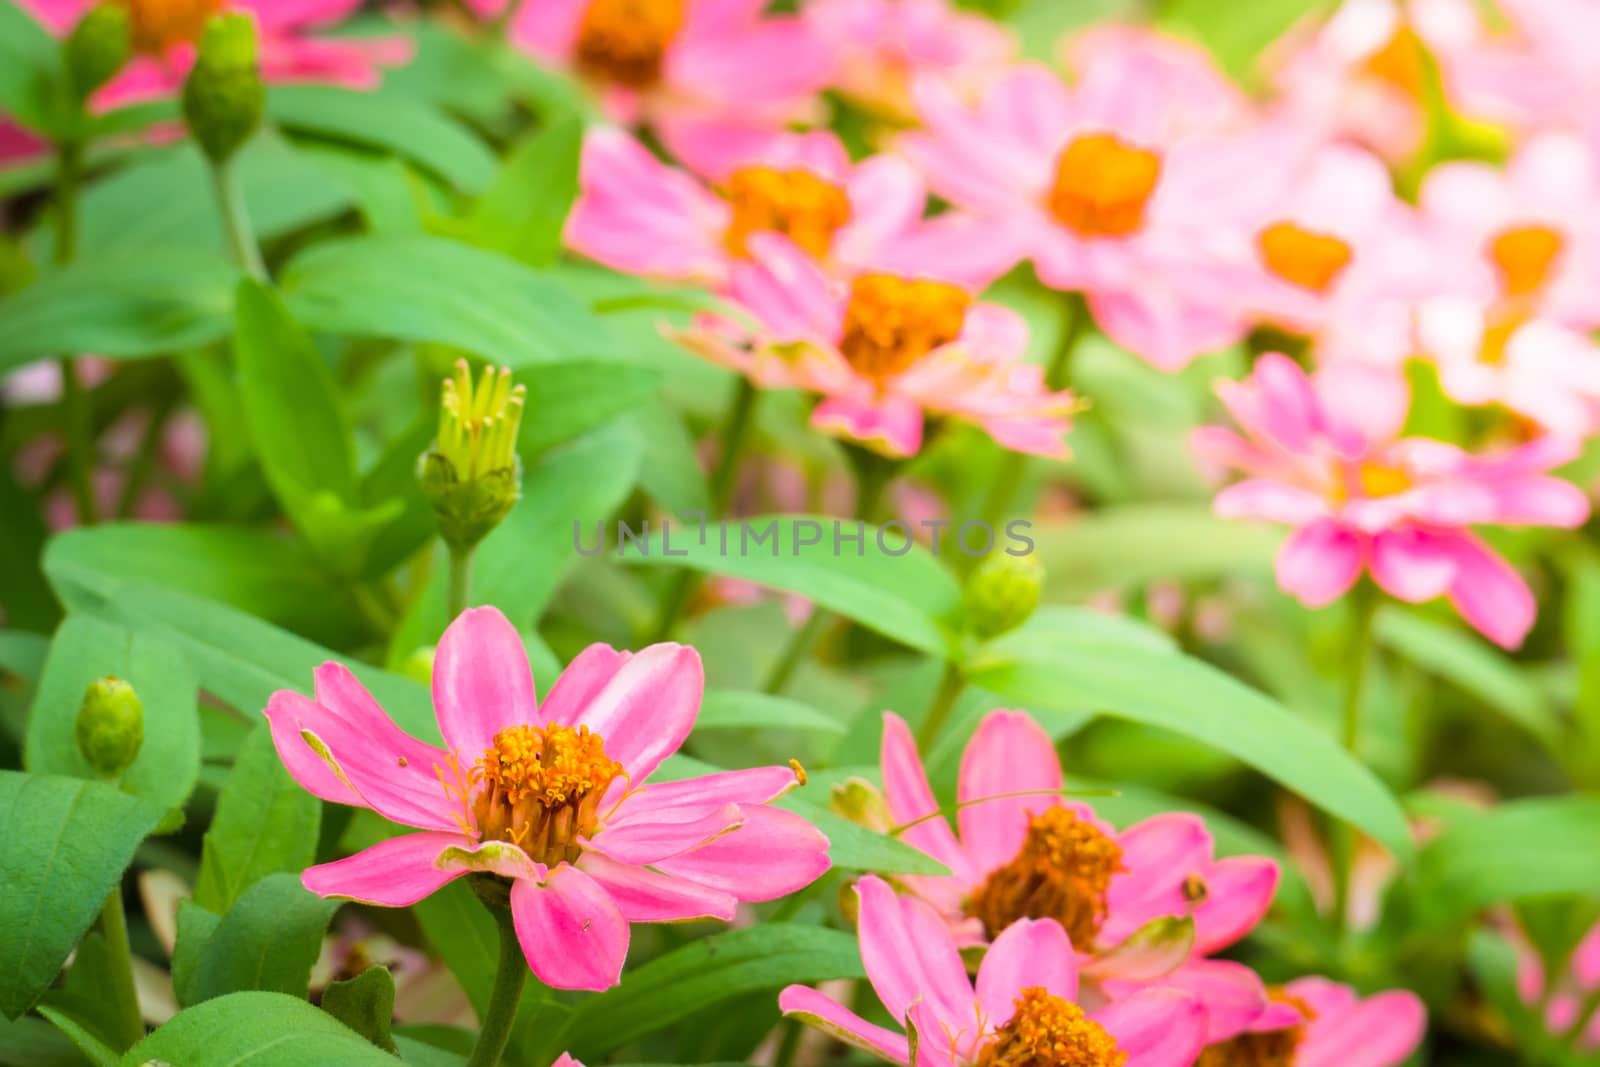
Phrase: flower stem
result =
(794, 653)
(1364, 602)
(129, 1023)
(236, 220)
(509, 978)
(951, 685)
(460, 598)
(75, 424)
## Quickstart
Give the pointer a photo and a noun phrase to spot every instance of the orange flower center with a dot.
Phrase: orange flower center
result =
(1102, 186)
(1062, 872)
(1382, 479)
(541, 787)
(625, 41)
(890, 323)
(795, 203)
(1303, 257)
(158, 25)
(1399, 63)
(1050, 1031)
(1266, 1048)
(1524, 256)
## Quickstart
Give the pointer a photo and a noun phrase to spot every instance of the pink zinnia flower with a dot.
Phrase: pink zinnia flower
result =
(1542, 74)
(1325, 456)
(637, 214)
(883, 350)
(1314, 1022)
(1104, 186)
(553, 797)
(1026, 853)
(712, 77)
(1574, 990)
(1026, 997)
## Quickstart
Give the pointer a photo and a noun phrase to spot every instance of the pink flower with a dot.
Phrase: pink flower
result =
(1025, 997)
(1105, 186)
(588, 844)
(881, 46)
(712, 77)
(1324, 455)
(1541, 74)
(1314, 1022)
(1574, 990)
(639, 215)
(1025, 853)
(883, 350)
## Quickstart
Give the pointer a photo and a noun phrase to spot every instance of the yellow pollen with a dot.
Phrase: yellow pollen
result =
(799, 771)
(159, 25)
(1380, 479)
(1062, 872)
(1524, 256)
(890, 323)
(1303, 257)
(1102, 186)
(625, 41)
(795, 203)
(1265, 1048)
(541, 787)
(1399, 63)
(1050, 1031)
(1195, 890)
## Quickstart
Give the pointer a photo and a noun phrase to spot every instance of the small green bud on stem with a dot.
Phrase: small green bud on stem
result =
(472, 475)
(97, 48)
(110, 726)
(223, 97)
(1002, 593)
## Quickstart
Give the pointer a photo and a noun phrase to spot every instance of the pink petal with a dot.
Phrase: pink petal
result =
(1320, 562)
(1156, 1027)
(571, 930)
(910, 955)
(1159, 853)
(1239, 891)
(585, 676)
(833, 1018)
(1259, 498)
(659, 834)
(1008, 754)
(1380, 1031)
(1412, 564)
(647, 708)
(1490, 594)
(646, 896)
(1029, 952)
(773, 854)
(787, 291)
(754, 786)
(395, 873)
(1364, 406)
(892, 422)
(481, 682)
(886, 200)
(905, 786)
(1231, 993)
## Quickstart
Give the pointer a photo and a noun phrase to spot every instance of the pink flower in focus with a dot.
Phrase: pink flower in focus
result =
(639, 215)
(562, 809)
(1324, 456)
(1025, 853)
(1104, 186)
(1574, 991)
(714, 78)
(1025, 998)
(883, 350)
(881, 46)
(1314, 1022)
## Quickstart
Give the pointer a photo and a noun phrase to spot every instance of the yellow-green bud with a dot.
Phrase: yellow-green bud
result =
(419, 665)
(861, 802)
(110, 726)
(97, 48)
(1002, 594)
(472, 475)
(223, 97)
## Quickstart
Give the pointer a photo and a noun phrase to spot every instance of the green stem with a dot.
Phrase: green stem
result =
(794, 653)
(236, 221)
(75, 425)
(1364, 602)
(460, 598)
(124, 1009)
(510, 976)
(951, 685)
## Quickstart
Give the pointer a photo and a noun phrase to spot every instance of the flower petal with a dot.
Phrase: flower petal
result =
(571, 931)
(1029, 952)
(393, 874)
(1412, 564)
(646, 896)
(647, 708)
(905, 786)
(773, 854)
(481, 681)
(1238, 893)
(910, 955)
(585, 676)
(815, 1009)
(1320, 562)
(1490, 594)
(1231, 993)
(659, 834)
(1380, 1031)
(1156, 1027)
(1009, 754)
(754, 786)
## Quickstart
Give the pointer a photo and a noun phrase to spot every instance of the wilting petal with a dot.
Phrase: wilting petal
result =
(911, 800)
(1320, 563)
(393, 874)
(774, 853)
(571, 931)
(1156, 1027)
(647, 708)
(910, 955)
(1009, 754)
(481, 682)
(1029, 952)
(840, 1022)
(643, 895)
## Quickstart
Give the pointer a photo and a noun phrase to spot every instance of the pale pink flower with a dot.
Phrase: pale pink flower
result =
(1105, 186)
(1314, 1022)
(1176, 77)
(1574, 991)
(884, 350)
(881, 46)
(713, 78)
(639, 215)
(588, 843)
(1324, 455)
(1540, 75)
(1026, 996)
(1108, 885)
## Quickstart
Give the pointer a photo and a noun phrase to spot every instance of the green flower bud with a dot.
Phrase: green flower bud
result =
(97, 48)
(1002, 593)
(419, 665)
(472, 475)
(862, 803)
(224, 96)
(110, 726)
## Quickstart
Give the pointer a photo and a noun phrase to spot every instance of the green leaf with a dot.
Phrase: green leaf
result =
(1236, 34)
(673, 477)
(407, 289)
(66, 843)
(269, 939)
(30, 1042)
(1193, 699)
(705, 973)
(31, 82)
(93, 1049)
(728, 709)
(259, 1029)
(522, 213)
(902, 596)
(265, 823)
(566, 400)
(1519, 850)
(365, 1004)
(127, 305)
(195, 927)
(85, 649)
(852, 847)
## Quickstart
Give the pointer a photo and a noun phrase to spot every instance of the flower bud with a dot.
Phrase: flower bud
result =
(472, 475)
(97, 48)
(419, 665)
(110, 726)
(223, 97)
(1002, 594)
(862, 803)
